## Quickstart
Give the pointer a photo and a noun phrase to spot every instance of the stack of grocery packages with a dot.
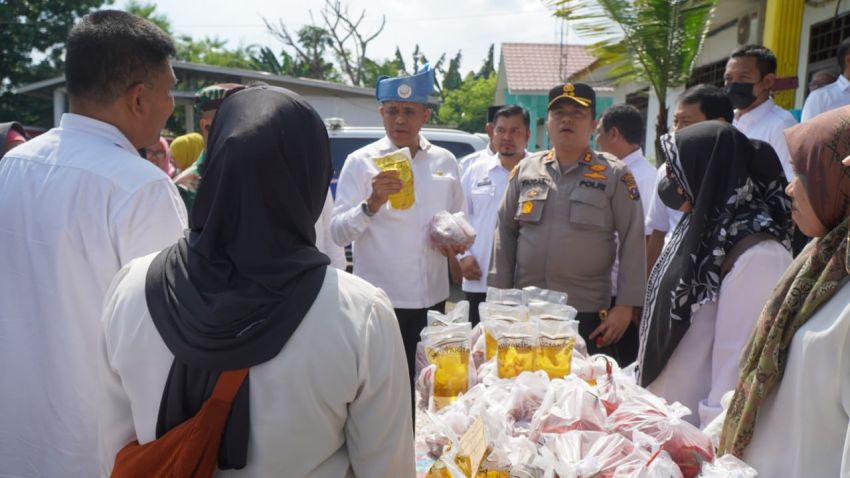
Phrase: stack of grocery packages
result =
(518, 396)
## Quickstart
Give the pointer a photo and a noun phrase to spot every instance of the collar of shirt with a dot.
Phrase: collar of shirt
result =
(755, 116)
(496, 162)
(552, 162)
(842, 83)
(387, 146)
(85, 124)
(633, 157)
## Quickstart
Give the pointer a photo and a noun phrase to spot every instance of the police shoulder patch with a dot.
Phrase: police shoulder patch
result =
(628, 180)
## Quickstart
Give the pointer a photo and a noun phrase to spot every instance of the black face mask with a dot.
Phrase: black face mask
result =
(668, 191)
(741, 95)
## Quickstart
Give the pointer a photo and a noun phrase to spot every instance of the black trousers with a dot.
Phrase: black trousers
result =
(475, 299)
(411, 322)
(624, 352)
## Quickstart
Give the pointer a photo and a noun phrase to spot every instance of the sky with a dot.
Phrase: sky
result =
(438, 26)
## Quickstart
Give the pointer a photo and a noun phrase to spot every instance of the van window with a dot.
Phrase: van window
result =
(458, 149)
(342, 147)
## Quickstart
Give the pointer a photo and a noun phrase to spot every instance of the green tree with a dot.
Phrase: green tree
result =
(452, 79)
(653, 41)
(487, 68)
(34, 34)
(148, 12)
(466, 107)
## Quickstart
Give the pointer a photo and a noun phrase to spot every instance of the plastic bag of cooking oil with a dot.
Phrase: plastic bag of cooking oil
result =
(555, 343)
(458, 315)
(515, 344)
(536, 295)
(551, 312)
(505, 296)
(492, 315)
(447, 347)
(399, 161)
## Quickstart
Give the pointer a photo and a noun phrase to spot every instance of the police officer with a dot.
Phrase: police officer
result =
(559, 218)
(389, 245)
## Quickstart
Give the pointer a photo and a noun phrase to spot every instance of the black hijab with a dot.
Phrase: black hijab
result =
(737, 189)
(232, 291)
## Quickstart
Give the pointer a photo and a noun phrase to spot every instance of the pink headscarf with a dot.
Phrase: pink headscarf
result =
(162, 161)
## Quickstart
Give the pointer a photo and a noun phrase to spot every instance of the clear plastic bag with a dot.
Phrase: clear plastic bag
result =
(582, 454)
(536, 295)
(458, 315)
(447, 229)
(651, 415)
(447, 347)
(494, 316)
(515, 348)
(617, 386)
(728, 466)
(555, 343)
(513, 297)
(568, 405)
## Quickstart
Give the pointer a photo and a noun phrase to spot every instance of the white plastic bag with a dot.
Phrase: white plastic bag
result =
(447, 229)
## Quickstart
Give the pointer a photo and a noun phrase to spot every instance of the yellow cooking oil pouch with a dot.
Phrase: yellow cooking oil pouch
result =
(399, 161)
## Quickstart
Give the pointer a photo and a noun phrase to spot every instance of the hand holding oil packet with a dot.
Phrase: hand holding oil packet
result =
(399, 161)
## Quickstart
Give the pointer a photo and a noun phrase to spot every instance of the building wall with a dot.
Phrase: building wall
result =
(812, 15)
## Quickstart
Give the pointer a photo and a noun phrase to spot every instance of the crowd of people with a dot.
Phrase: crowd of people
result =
(134, 294)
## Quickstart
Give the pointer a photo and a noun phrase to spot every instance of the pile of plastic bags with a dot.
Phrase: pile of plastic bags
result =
(593, 421)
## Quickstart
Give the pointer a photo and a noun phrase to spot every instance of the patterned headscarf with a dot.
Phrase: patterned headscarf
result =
(817, 147)
(737, 189)
(186, 149)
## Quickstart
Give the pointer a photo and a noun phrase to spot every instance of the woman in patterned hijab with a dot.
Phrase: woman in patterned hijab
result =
(789, 414)
(713, 277)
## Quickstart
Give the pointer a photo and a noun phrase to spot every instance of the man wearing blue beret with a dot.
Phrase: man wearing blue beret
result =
(389, 245)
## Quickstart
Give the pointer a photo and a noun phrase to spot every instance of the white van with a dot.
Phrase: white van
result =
(347, 139)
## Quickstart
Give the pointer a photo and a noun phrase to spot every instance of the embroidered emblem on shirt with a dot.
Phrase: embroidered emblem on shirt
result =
(592, 184)
(631, 185)
(533, 181)
(588, 157)
(439, 172)
(596, 176)
(527, 207)
(598, 168)
(533, 193)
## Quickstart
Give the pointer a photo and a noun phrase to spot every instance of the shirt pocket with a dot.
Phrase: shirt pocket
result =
(482, 195)
(587, 207)
(530, 204)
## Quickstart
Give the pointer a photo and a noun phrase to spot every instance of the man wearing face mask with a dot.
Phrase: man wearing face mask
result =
(560, 218)
(750, 75)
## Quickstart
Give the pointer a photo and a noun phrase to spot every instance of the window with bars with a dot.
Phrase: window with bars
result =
(710, 74)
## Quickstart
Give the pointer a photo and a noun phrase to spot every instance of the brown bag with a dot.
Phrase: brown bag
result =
(189, 449)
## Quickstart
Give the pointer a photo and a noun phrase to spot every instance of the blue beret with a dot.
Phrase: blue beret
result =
(413, 89)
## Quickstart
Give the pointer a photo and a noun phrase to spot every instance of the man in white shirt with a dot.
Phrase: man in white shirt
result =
(484, 184)
(619, 133)
(76, 204)
(834, 95)
(491, 150)
(750, 74)
(390, 246)
(699, 103)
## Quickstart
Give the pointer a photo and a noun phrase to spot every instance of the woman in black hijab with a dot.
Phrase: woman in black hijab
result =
(714, 275)
(247, 288)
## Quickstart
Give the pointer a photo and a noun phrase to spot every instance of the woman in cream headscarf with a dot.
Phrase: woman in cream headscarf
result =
(790, 415)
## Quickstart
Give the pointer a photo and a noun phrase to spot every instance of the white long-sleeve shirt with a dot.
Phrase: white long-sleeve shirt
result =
(324, 242)
(390, 249)
(76, 204)
(768, 122)
(704, 365)
(803, 426)
(484, 182)
(335, 402)
(832, 96)
(661, 217)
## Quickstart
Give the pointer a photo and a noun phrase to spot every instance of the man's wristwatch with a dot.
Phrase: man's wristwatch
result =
(365, 207)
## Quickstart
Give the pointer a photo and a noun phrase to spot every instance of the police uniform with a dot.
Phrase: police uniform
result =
(557, 230)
